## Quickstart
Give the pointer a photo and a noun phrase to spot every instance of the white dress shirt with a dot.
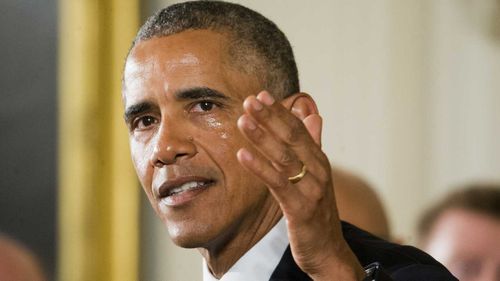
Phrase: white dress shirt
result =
(260, 261)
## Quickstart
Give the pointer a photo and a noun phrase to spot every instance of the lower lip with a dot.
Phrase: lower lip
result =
(183, 197)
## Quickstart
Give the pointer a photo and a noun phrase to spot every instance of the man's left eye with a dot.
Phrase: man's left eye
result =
(203, 106)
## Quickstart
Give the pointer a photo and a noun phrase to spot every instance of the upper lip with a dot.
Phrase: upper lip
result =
(164, 189)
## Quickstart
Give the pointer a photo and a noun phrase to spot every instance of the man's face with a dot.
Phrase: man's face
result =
(468, 244)
(182, 100)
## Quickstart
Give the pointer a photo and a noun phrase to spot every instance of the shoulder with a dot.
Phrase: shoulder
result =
(400, 262)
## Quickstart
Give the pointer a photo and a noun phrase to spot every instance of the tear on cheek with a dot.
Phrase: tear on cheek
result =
(213, 123)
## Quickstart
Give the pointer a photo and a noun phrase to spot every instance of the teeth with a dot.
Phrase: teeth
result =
(186, 186)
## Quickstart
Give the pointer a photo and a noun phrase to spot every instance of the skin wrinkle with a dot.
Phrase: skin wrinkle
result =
(166, 86)
(190, 59)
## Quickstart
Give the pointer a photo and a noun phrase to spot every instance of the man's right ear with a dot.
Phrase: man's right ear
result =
(301, 105)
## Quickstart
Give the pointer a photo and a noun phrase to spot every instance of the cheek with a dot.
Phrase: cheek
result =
(219, 133)
(221, 124)
(213, 126)
(213, 123)
(140, 157)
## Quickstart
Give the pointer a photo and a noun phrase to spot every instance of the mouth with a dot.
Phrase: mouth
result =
(182, 190)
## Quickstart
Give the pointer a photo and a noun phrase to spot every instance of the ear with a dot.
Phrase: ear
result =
(303, 107)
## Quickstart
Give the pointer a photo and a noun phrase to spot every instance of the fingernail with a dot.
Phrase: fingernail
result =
(250, 124)
(245, 122)
(265, 98)
(245, 155)
(257, 105)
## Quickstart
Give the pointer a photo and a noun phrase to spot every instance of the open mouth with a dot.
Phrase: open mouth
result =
(177, 192)
(188, 186)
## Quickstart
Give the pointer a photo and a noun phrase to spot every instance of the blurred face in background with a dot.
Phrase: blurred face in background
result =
(18, 263)
(467, 243)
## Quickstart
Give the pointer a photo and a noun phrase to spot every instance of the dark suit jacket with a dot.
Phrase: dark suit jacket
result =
(403, 263)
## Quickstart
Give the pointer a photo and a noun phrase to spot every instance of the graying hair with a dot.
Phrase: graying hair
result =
(257, 45)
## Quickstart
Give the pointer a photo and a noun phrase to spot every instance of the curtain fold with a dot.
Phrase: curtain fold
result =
(98, 192)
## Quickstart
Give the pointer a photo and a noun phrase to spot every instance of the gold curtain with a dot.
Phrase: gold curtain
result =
(98, 192)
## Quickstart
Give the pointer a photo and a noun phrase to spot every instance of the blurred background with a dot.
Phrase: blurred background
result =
(409, 90)
(28, 121)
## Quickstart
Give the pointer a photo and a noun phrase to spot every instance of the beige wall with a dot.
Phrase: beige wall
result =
(410, 94)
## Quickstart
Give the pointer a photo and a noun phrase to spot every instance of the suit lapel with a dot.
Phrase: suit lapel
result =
(288, 270)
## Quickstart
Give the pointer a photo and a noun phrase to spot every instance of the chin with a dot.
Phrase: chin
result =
(189, 235)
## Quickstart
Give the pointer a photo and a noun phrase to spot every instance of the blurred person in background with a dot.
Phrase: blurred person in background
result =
(462, 231)
(18, 263)
(359, 204)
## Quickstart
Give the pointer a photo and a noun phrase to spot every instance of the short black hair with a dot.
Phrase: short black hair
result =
(482, 198)
(255, 43)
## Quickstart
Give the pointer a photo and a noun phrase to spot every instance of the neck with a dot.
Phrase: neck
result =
(220, 256)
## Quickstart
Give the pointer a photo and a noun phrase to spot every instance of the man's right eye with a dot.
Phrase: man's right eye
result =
(144, 122)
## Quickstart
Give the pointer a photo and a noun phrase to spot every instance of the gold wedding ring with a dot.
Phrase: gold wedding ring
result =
(297, 178)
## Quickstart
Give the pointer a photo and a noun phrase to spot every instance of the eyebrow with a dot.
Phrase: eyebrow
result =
(137, 109)
(200, 93)
(186, 94)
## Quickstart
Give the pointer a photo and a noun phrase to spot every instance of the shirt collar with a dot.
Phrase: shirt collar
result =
(260, 261)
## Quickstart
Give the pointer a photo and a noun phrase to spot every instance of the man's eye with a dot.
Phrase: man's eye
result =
(144, 122)
(204, 106)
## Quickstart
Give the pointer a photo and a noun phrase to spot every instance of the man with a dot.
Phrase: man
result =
(232, 169)
(17, 263)
(463, 232)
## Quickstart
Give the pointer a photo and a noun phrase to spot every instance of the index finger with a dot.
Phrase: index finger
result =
(287, 128)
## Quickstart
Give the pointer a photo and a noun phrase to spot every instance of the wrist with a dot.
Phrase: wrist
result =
(340, 267)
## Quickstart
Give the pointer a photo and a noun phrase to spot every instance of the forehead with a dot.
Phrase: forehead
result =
(191, 58)
(460, 226)
(207, 45)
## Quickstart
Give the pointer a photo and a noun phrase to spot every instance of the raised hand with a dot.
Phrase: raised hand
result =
(287, 157)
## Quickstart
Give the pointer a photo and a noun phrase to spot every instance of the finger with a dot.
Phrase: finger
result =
(287, 128)
(282, 157)
(294, 204)
(276, 118)
(279, 186)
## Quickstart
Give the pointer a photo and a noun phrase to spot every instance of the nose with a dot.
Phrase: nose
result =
(170, 146)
